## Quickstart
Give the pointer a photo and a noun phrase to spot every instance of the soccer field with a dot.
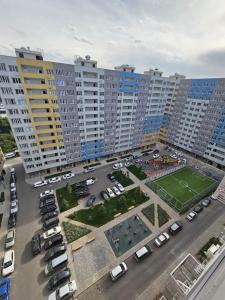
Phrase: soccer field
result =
(183, 187)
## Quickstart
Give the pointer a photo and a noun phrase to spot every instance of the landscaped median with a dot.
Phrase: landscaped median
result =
(74, 232)
(66, 197)
(103, 213)
(137, 171)
(122, 179)
(149, 213)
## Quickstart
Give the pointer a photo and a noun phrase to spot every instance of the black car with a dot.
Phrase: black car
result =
(104, 195)
(90, 201)
(55, 251)
(44, 210)
(54, 240)
(198, 209)
(47, 202)
(50, 223)
(12, 178)
(13, 196)
(82, 194)
(175, 227)
(43, 198)
(111, 177)
(156, 151)
(36, 244)
(49, 215)
(58, 279)
(12, 220)
(81, 189)
(80, 184)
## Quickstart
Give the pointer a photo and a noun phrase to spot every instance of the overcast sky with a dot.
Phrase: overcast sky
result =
(184, 36)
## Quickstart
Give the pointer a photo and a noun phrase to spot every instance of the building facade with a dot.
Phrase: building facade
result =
(61, 114)
(198, 120)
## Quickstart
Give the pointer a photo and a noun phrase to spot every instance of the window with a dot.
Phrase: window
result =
(4, 79)
(13, 68)
(16, 80)
(2, 67)
(7, 91)
(19, 91)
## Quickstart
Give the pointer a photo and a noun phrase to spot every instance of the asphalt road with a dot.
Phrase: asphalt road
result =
(141, 275)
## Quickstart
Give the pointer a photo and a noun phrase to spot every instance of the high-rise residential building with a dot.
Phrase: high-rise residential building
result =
(198, 120)
(61, 114)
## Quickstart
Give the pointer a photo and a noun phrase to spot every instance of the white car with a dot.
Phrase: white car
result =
(155, 156)
(68, 175)
(64, 292)
(191, 216)
(40, 183)
(117, 166)
(14, 207)
(89, 169)
(10, 155)
(51, 232)
(127, 164)
(10, 238)
(8, 263)
(110, 193)
(118, 271)
(13, 187)
(46, 193)
(90, 181)
(162, 239)
(120, 187)
(54, 179)
(116, 190)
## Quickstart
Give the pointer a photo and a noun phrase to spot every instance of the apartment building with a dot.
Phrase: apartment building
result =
(62, 114)
(198, 120)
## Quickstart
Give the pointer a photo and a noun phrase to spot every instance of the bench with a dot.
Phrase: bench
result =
(117, 215)
(90, 240)
(131, 207)
(76, 246)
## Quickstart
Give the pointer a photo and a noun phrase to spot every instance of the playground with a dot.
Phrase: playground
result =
(127, 234)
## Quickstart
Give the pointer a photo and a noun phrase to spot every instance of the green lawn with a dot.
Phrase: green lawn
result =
(137, 172)
(74, 232)
(149, 212)
(183, 187)
(123, 179)
(66, 197)
(103, 213)
(163, 216)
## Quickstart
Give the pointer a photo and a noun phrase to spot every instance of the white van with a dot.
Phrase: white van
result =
(142, 253)
(56, 263)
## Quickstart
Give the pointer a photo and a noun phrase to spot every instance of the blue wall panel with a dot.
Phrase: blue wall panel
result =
(201, 88)
(219, 131)
(92, 149)
(152, 124)
(132, 85)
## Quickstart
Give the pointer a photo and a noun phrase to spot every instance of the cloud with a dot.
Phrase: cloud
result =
(83, 40)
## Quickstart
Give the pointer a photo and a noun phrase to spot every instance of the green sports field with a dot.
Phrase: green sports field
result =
(182, 188)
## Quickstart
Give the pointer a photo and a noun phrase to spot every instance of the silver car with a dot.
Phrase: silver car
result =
(10, 238)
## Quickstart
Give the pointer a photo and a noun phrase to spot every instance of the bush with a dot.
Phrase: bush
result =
(92, 165)
(149, 213)
(123, 179)
(163, 216)
(111, 159)
(137, 171)
(74, 232)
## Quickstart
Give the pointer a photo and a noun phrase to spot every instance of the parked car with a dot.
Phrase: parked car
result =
(5, 288)
(10, 239)
(10, 155)
(55, 240)
(129, 158)
(59, 278)
(52, 232)
(117, 166)
(175, 227)
(49, 215)
(110, 193)
(14, 207)
(206, 202)
(82, 194)
(111, 177)
(162, 239)
(47, 202)
(142, 253)
(80, 184)
(89, 169)
(91, 200)
(198, 209)
(46, 193)
(120, 187)
(12, 187)
(82, 189)
(50, 223)
(64, 292)
(104, 195)
(116, 190)
(191, 216)
(55, 251)
(68, 175)
(36, 244)
(40, 183)
(56, 263)
(48, 208)
(12, 220)
(127, 164)
(155, 156)
(8, 263)
(90, 181)
(12, 178)
(13, 196)
(118, 271)
(156, 151)
(54, 179)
